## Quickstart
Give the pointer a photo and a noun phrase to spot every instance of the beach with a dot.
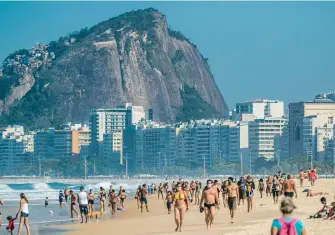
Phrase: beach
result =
(257, 222)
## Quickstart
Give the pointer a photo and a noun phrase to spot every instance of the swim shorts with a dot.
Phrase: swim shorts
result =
(232, 203)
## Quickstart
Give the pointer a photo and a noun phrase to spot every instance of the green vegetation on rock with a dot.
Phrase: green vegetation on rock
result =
(194, 107)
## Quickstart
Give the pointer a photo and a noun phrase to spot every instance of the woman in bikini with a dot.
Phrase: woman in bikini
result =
(123, 197)
(180, 202)
(160, 190)
(90, 201)
(268, 190)
(103, 197)
(197, 193)
(137, 197)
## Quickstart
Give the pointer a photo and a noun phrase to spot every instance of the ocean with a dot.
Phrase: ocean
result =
(43, 220)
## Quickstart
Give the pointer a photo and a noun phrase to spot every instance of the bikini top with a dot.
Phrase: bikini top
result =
(179, 196)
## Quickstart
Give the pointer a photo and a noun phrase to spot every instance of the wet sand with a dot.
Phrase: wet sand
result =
(258, 222)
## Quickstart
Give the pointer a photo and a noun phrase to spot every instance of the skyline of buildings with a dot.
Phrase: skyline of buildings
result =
(127, 135)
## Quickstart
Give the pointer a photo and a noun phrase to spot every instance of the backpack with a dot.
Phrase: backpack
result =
(287, 228)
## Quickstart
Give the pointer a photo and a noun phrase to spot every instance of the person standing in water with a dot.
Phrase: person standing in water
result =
(66, 193)
(1, 204)
(73, 204)
(233, 196)
(24, 214)
(83, 204)
(90, 201)
(103, 197)
(210, 196)
(61, 198)
(180, 202)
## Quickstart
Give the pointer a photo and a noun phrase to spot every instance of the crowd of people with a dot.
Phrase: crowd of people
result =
(180, 196)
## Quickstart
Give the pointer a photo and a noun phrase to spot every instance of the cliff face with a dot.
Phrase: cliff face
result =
(131, 58)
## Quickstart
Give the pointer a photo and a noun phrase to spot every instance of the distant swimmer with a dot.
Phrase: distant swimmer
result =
(66, 194)
(46, 202)
(211, 201)
(233, 196)
(73, 204)
(180, 202)
(143, 197)
(289, 188)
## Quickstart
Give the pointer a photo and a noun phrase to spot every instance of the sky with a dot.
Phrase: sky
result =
(272, 50)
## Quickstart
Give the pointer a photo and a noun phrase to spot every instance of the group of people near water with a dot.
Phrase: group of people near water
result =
(181, 195)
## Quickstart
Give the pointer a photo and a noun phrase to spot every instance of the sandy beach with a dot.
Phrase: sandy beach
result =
(258, 222)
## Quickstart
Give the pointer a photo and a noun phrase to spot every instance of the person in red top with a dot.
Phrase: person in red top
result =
(312, 177)
(10, 227)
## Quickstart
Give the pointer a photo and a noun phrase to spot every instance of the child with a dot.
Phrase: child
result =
(10, 227)
(46, 202)
(168, 201)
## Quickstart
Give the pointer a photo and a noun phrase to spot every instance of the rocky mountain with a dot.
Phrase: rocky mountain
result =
(133, 58)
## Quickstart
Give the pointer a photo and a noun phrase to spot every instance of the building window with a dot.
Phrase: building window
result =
(296, 132)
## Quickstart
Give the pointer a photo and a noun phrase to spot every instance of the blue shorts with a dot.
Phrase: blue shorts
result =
(24, 215)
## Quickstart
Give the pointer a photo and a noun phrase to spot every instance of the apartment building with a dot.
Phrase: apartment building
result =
(81, 140)
(297, 112)
(261, 108)
(262, 134)
(113, 147)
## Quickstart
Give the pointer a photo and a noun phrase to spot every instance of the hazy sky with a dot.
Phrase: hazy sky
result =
(274, 50)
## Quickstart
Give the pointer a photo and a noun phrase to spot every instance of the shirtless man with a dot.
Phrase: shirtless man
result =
(210, 196)
(302, 177)
(289, 187)
(233, 196)
(143, 197)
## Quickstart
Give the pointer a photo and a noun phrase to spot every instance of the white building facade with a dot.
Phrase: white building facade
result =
(261, 108)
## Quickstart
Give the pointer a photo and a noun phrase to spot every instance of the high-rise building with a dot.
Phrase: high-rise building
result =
(297, 112)
(12, 156)
(262, 134)
(150, 115)
(317, 135)
(104, 121)
(155, 147)
(137, 113)
(81, 140)
(261, 108)
(113, 147)
(53, 143)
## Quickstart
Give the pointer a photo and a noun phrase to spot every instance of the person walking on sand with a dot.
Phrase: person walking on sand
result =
(241, 187)
(83, 204)
(113, 202)
(261, 187)
(90, 201)
(289, 188)
(233, 196)
(269, 186)
(143, 197)
(250, 188)
(286, 224)
(137, 196)
(301, 177)
(180, 202)
(73, 204)
(275, 188)
(123, 197)
(210, 196)
(24, 214)
(168, 201)
(160, 190)
(312, 177)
